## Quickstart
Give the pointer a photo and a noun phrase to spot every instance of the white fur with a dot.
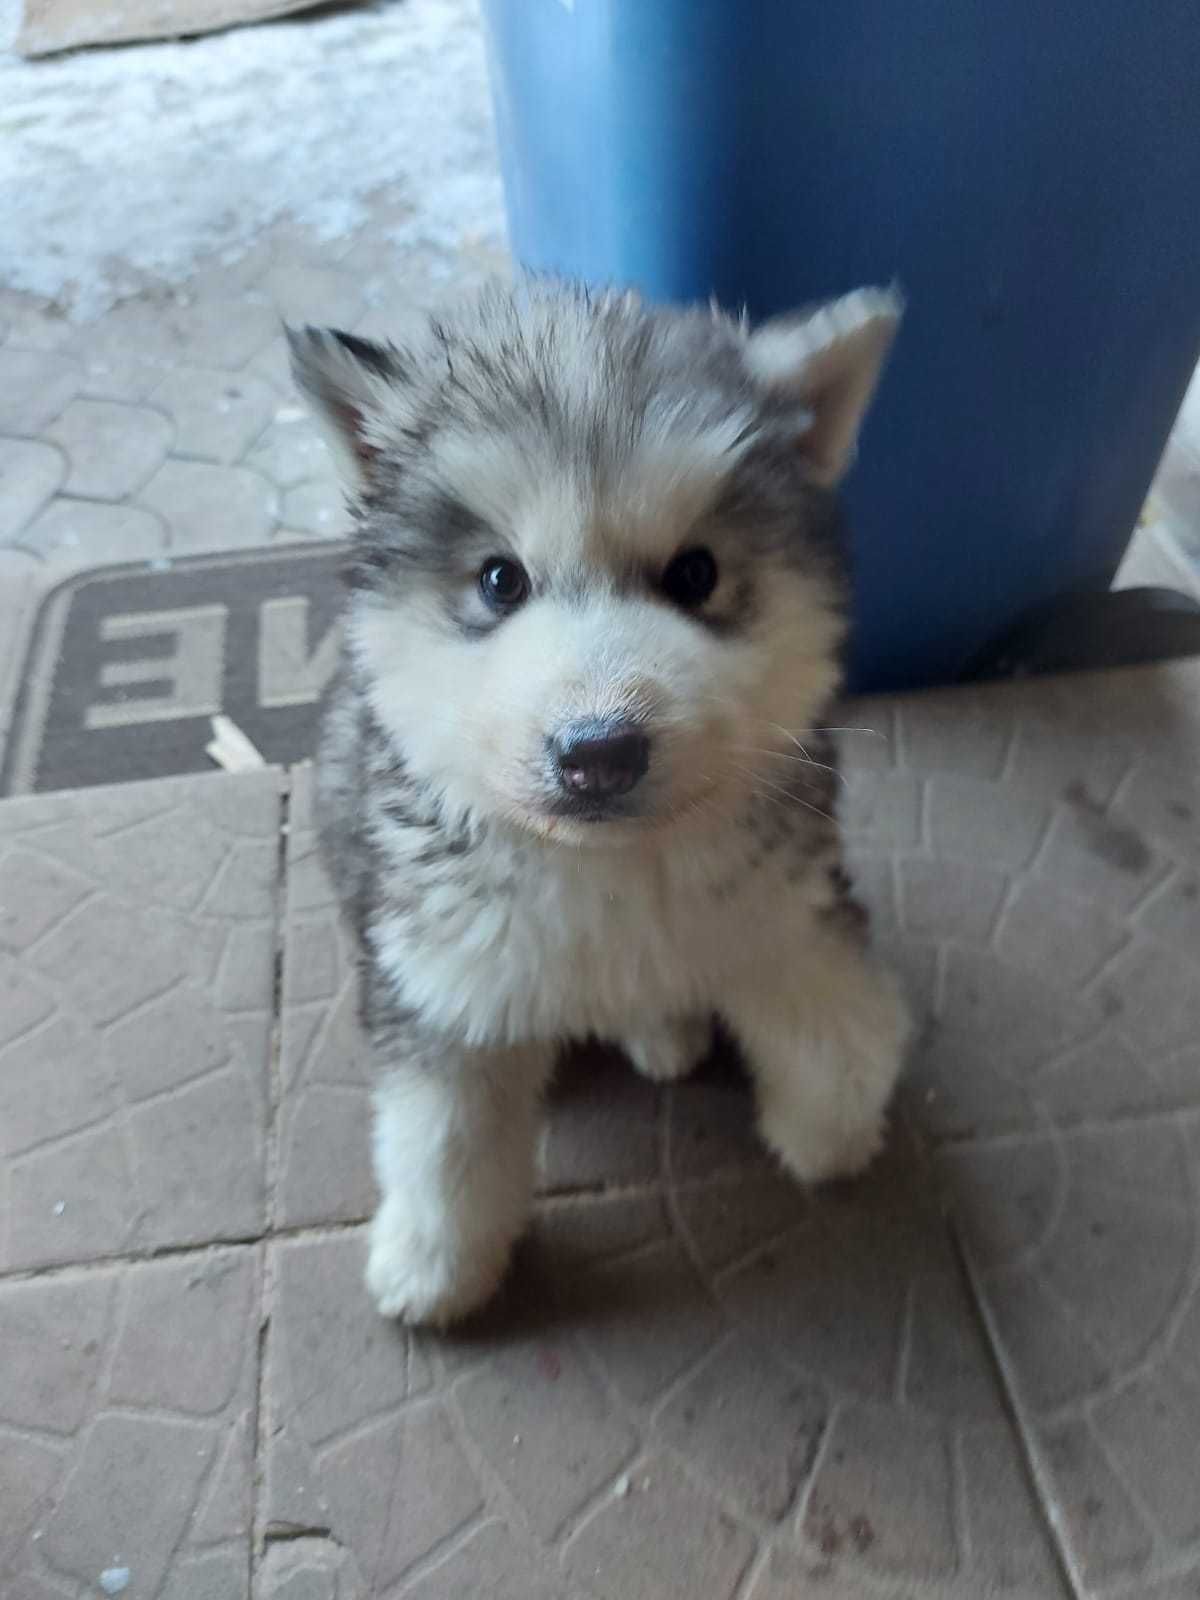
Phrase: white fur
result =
(454, 1157)
(635, 944)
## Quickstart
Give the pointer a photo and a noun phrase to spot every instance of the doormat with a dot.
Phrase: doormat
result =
(127, 666)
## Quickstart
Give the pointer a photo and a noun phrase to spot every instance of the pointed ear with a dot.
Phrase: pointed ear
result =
(829, 360)
(347, 380)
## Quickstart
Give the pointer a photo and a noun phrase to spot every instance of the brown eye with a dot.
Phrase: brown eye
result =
(503, 584)
(691, 578)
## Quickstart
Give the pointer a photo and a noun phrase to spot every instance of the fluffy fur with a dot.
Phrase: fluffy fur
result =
(499, 911)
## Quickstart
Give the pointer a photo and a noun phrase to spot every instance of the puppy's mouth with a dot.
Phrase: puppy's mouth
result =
(592, 810)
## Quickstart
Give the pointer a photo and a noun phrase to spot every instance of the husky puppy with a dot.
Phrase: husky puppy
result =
(572, 778)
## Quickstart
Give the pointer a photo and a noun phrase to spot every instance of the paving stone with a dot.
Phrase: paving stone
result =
(291, 451)
(30, 322)
(392, 1518)
(388, 1475)
(1173, 912)
(333, 1366)
(868, 1499)
(1149, 1430)
(1093, 853)
(1089, 1290)
(1162, 802)
(512, 1573)
(967, 731)
(222, 330)
(631, 1549)
(1105, 1532)
(865, 732)
(1154, 993)
(319, 295)
(317, 508)
(726, 1222)
(134, 1103)
(31, 471)
(72, 534)
(324, 1114)
(1047, 931)
(785, 1574)
(112, 449)
(209, 507)
(217, 415)
(139, 1436)
(648, 1319)
(1008, 1534)
(949, 900)
(999, 824)
(749, 1427)
(601, 1124)
(711, 1126)
(273, 364)
(884, 807)
(35, 385)
(547, 1429)
(590, 1228)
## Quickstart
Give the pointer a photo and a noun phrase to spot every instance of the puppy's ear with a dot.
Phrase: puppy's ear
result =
(829, 361)
(348, 381)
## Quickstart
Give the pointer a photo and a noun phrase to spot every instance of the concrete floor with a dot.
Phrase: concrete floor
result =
(976, 1373)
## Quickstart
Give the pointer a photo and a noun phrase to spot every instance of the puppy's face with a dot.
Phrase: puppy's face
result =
(595, 563)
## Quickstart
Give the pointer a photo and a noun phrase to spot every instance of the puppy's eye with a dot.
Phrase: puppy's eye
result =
(503, 584)
(690, 579)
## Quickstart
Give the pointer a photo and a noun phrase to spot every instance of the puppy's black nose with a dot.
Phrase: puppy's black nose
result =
(601, 759)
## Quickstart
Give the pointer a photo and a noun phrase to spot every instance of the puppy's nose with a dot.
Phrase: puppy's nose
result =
(601, 759)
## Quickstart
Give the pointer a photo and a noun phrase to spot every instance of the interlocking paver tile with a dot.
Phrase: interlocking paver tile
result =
(321, 295)
(132, 1074)
(72, 534)
(210, 507)
(1061, 1067)
(35, 385)
(111, 448)
(30, 322)
(317, 507)
(632, 1549)
(290, 450)
(217, 415)
(124, 1455)
(30, 472)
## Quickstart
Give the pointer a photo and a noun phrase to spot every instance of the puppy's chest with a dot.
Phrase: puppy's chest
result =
(515, 941)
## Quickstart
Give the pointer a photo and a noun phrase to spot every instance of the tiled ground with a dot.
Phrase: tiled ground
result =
(976, 1373)
(169, 426)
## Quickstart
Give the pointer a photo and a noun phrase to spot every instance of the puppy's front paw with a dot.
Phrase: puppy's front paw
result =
(816, 1153)
(430, 1277)
(671, 1050)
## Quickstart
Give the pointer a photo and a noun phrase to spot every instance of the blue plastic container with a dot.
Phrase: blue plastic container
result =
(1029, 170)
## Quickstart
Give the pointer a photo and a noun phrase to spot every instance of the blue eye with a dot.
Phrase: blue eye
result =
(504, 584)
(690, 579)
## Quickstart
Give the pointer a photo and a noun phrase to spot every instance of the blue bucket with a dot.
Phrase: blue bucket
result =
(1030, 174)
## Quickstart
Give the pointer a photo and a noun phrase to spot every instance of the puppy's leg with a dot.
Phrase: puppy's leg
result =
(454, 1148)
(670, 1049)
(824, 1041)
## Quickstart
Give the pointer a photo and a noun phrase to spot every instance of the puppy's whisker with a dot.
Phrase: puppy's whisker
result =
(785, 755)
(788, 796)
